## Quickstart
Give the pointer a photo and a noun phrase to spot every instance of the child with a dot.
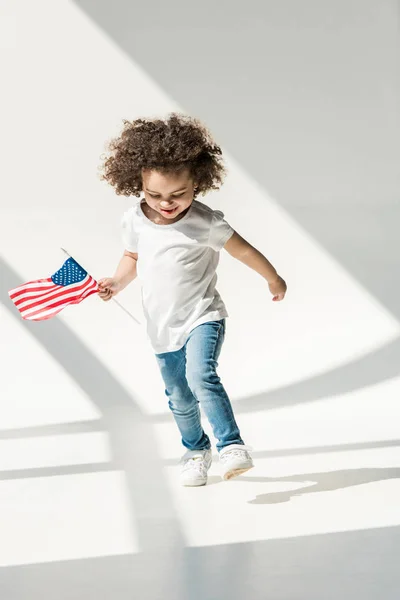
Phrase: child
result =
(172, 244)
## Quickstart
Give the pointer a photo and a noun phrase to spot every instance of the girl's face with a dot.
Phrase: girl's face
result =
(168, 194)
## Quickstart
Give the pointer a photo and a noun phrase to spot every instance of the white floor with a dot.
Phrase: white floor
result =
(90, 505)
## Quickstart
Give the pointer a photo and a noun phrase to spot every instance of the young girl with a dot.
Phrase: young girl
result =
(172, 244)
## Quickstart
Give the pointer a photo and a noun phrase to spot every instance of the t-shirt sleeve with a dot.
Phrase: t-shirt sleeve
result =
(129, 235)
(220, 231)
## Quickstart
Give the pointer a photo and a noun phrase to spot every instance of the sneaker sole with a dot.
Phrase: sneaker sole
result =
(236, 472)
(193, 483)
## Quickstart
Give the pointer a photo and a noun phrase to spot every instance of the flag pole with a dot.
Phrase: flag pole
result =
(114, 300)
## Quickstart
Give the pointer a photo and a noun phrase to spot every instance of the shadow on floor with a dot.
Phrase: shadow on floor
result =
(345, 566)
(321, 482)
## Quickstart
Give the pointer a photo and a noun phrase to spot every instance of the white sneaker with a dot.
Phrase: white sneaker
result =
(195, 466)
(235, 460)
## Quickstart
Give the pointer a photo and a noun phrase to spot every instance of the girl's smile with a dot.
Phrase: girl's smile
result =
(169, 211)
(169, 195)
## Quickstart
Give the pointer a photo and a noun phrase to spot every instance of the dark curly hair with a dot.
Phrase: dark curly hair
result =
(167, 145)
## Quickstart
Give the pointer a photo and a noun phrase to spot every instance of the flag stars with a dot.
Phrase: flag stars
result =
(69, 273)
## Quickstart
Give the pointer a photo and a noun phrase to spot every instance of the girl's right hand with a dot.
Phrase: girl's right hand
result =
(108, 287)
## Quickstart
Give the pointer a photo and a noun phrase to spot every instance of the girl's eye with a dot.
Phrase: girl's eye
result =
(174, 195)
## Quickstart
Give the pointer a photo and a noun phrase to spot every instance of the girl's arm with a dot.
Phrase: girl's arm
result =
(240, 249)
(125, 273)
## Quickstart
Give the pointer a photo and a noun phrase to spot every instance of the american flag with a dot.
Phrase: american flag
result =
(44, 298)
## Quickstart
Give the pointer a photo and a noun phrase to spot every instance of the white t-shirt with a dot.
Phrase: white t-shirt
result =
(177, 269)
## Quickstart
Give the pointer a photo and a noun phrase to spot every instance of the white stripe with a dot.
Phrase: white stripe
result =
(45, 313)
(32, 284)
(93, 287)
(39, 294)
(65, 299)
(47, 294)
(27, 310)
(52, 311)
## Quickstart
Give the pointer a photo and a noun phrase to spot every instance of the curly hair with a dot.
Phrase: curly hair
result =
(167, 145)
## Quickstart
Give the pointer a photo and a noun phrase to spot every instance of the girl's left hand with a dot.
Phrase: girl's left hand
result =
(278, 289)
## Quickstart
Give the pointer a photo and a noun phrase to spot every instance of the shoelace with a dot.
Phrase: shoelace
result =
(196, 463)
(235, 453)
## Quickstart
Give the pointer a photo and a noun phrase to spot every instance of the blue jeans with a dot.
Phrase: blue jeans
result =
(191, 378)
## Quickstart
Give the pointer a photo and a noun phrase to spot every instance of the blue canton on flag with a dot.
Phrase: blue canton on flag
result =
(70, 272)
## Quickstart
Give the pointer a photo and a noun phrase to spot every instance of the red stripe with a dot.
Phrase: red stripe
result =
(45, 291)
(23, 290)
(89, 292)
(64, 301)
(61, 304)
(52, 314)
(61, 291)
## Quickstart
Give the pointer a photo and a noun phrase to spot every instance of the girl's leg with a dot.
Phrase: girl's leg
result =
(202, 351)
(184, 406)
